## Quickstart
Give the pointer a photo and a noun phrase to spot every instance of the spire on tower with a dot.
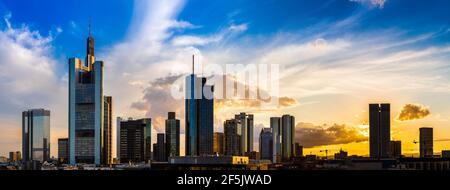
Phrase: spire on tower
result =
(193, 57)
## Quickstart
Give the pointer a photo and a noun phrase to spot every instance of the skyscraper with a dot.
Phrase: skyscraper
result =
(246, 123)
(199, 105)
(159, 148)
(36, 135)
(172, 135)
(379, 130)
(287, 137)
(395, 149)
(298, 150)
(266, 144)
(134, 139)
(63, 150)
(232, 131)
(275, 125)
(426, 142)
(107, 131)
(87, 128)
(218, 143)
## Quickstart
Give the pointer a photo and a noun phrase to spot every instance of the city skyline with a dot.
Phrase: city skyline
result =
(327, 77)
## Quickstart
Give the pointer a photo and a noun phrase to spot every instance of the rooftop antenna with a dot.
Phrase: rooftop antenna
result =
(89, 26)
(193, 57)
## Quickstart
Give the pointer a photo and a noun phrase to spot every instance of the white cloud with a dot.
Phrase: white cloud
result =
(371, 3)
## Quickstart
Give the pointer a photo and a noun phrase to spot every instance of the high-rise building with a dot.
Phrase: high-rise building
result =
(379, 130)
(134, 140)
(36, 135)
(199, 105)
(426, 142)
(15, 156)
(232, 135)
(107, 130)
(298, 150)
(395, 149)
(246, 123)
(88, 130)
(172, 135)
(63, 150)
(159, 148)
(275, 125)
(218, 143)
(287, 137)
(266, 144)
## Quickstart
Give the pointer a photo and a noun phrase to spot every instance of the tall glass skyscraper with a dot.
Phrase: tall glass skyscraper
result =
(426, 142)
(89, 125)
(379, 130)
(199, 114)
(275, 125)
(172, 135)
(233, 137)
(36, 135)
(246, 123)
(266, 144)
(287, 137)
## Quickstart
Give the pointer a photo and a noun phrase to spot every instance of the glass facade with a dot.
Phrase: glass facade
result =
(36, 135)
(172, 135)
(199, 117)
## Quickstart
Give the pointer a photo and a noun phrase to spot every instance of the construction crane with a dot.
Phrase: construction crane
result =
(437, 140)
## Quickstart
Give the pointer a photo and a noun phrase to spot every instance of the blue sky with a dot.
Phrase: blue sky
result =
(333, 53)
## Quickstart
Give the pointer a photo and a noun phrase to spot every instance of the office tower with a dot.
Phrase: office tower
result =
(107, 133)
(379, 130)
(445, 153)
(395, 149)
(172, 135)
(36, 135)
(266, 144)
(159, 148)
(287, 137)
(218, 143)
(275, 125)
(87, 127)
(246, 123)
(134, 140)
(426, 142)
(199, 105)
(298, 150)
(63, 150)
(232, 135)
(14, 156)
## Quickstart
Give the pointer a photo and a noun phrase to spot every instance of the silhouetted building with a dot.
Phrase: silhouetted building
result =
(232, 138)
(63, 150)
(341, 155)
(246, 123)
(275, 125)
(426, 142)
(89, 110)
(134, 140)
(15, 156)
(287, 137)
(172, 135)
(266, 144)
(36, 135)
(395, 149)
(254, 155)
(379, 130)
(159, 148)
(445, 154)
(298, 150)
(219, 143)
(199, 105)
